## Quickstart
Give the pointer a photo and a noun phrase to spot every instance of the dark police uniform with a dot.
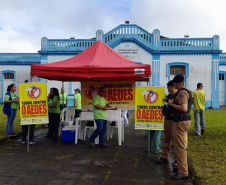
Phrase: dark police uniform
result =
(167, 130)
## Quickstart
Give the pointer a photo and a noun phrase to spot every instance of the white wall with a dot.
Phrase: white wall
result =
(52, 59)
(134, 53)
(200, 70)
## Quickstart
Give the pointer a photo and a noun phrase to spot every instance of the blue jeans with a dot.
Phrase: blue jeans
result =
(99, 131)
(199, 121)
(9, 124)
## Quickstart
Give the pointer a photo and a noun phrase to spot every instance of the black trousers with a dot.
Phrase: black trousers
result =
(54, 121)
(77, 113)
(25, 132)
(62, 106)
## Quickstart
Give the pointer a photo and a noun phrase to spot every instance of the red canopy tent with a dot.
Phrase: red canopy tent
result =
(99, 62)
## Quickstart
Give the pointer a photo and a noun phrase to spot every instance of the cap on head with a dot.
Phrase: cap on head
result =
(170, 83)
(77, 90)
(178, 78)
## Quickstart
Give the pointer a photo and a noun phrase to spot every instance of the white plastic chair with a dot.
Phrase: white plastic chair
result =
(85, 116)
(70, 112)
(87, 127)
(115, 115)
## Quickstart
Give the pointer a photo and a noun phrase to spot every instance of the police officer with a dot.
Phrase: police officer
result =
(181, 121)
(167, 124)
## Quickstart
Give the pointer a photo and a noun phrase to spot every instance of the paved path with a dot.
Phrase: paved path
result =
(53, 162)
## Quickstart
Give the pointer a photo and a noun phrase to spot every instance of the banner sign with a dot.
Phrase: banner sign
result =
(33, 103)
(118, 94)
(148, 108)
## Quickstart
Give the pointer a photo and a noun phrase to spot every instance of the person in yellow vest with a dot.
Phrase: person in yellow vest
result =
(63, 99)
(77, 103)
(199, 109)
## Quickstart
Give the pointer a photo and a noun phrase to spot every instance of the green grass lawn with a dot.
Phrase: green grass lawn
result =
(208, 151)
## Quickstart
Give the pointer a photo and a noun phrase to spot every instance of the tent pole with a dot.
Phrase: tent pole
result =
(63, 93)
(149, 81)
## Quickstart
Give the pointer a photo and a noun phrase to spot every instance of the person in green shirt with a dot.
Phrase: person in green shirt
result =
(10, 108)
(54, 113)
(63, 99)
(77, 103)
(100, 107)
(199, 109)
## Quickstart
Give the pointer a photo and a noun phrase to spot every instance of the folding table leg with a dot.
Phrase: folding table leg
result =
(76, 131)
(123, 136)
(119, 133)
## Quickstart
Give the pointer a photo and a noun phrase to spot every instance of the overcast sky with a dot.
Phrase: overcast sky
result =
(24, 22)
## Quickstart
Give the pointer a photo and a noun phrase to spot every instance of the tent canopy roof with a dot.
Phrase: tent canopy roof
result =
(99, 62)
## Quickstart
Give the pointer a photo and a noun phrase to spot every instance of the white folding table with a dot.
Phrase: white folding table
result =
(112, 115)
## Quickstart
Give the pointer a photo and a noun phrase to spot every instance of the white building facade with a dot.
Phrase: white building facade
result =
(198, 59)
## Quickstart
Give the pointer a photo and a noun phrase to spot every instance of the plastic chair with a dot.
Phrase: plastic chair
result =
(70, 112)
(115, 115)
(85, 116)
(88, 127)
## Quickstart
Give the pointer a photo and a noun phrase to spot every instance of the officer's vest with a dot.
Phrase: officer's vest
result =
(166, 110)
(190, 102)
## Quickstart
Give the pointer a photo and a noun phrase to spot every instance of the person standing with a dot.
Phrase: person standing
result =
(155, 136)
(124, 115)
(100, 107)
(25, 131)
(167, 124)
(10, 108)
(181, 122)
(54, 113)
(199, 109)
(77, 103)
(63, 99)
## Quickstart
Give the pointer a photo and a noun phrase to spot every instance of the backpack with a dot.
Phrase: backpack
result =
(7, 106)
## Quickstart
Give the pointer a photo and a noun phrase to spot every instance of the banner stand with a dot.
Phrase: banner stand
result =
(28, 138)
(148, 131)
(148, 140)
(33, 106)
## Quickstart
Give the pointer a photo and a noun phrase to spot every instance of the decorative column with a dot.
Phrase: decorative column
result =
(99, 35)
(44, 60)
(155, 70)
(215, 82)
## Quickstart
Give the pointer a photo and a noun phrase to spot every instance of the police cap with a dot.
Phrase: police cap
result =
(178, 78)
(77, 90)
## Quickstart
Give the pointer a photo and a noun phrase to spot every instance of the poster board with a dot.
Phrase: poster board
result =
(148, 108)
(118, 94)
(33, 103)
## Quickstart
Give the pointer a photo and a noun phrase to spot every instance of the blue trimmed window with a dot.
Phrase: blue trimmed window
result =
(221, 76)
(184, 70)
(8, 76)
